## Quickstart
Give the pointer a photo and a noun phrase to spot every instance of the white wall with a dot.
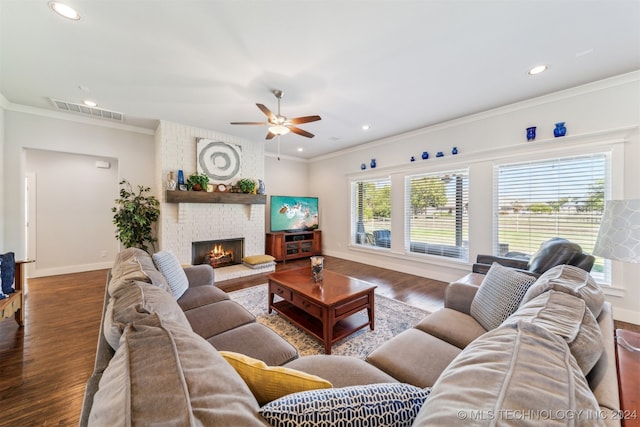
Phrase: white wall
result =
(133, 150)
(589, 112)
(3, 177)
(59, 207)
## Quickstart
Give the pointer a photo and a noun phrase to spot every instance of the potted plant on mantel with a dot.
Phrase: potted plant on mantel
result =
(198, 181)
(135, 216)
(247, 185)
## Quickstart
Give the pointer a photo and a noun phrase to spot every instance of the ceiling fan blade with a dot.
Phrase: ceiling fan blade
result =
(267, 112)
(306, 119)
(250, 123)
(300, 131)
(270, 135)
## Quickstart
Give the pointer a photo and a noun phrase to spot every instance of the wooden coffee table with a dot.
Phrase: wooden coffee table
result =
(325, 310)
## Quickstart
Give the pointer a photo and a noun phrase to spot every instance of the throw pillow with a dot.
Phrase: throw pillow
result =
(499, 295)
(170, 267)
(573, 281)
(569, 318)
(385, 404)
(268, 383)
(515, 370)
(7, 272)
(258, 259)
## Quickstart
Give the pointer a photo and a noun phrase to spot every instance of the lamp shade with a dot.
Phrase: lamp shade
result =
(619, 235)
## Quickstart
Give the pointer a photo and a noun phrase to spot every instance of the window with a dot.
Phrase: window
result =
(371, 212)
(437, 214)
(553, 198)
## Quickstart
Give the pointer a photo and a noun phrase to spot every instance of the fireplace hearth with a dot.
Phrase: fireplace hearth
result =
(218, 253)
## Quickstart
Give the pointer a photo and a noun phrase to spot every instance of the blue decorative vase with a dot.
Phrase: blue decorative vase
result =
(454, 151)
(261, 188)
(560, 130)
(531, 133)
(440, 154)
(425, 155)
(373, 163)
(363, 166)
(180, 177)
(413, 159)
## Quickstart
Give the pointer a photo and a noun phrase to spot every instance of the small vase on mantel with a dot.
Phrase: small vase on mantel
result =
(171, 181)
(560, 130)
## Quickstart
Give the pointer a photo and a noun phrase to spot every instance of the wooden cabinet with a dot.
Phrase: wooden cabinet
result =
(283, 246)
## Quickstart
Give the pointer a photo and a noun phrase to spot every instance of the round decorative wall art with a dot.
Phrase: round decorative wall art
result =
(219, 160)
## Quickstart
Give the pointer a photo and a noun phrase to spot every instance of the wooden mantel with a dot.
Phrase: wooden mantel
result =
(214, 197)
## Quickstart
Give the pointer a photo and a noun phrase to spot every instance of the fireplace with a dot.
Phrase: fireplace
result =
(218, 253)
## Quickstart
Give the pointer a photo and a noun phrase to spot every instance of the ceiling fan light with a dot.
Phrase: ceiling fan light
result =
(279, 130)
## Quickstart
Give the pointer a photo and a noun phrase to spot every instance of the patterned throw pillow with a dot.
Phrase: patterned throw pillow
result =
(499, 295)
(7, 272)
(387, 404)
(170, 267)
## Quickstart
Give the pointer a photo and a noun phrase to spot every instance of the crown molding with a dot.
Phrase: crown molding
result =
(599, 85)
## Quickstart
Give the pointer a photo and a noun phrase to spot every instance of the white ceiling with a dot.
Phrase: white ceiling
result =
(396, 65)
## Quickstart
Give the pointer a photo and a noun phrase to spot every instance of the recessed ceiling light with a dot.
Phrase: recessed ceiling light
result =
(64, 10)
(366, 127)
(89, 103)
(537, 70)
(300, 149)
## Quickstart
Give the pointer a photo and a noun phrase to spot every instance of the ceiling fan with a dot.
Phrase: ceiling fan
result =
(279, 124)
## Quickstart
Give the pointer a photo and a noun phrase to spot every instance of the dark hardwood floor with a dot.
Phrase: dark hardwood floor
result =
(45, 364)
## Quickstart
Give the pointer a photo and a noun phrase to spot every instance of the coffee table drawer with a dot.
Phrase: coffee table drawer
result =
(283, 293)
(357, 304)
(307, 306)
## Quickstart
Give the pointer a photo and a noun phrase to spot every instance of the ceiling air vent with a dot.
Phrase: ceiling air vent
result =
(89, 111)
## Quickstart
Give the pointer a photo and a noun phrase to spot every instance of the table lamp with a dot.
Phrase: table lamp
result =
(619, 237)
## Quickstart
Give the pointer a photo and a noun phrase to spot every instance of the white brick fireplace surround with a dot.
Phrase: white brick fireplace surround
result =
(181, 224)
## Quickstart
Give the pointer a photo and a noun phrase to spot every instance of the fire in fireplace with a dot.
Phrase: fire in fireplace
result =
(218, 253)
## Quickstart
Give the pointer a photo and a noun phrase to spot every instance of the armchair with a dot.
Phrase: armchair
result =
(382, 238)
(553, 252)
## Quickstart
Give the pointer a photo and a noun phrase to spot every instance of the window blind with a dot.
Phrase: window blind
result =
(437, 213)
(538, 200)
(371, 212)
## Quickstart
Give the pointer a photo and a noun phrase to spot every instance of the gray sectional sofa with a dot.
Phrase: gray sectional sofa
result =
(510, 352)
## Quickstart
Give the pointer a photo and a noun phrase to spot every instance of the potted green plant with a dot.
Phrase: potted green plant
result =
(135, 216)
(246, 185)
(198, 181)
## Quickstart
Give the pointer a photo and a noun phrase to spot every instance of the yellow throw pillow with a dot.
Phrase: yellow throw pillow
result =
(257, 259)
(268, 383)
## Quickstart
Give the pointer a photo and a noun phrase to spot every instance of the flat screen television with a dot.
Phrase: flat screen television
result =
(290, 213)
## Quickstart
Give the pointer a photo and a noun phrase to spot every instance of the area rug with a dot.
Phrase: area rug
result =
(391, 318)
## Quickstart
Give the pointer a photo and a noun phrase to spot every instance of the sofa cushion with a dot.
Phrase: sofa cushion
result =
(572, 280)
(499, 295)
(201, 295)
(257, 341)
(163, 374)
(569, 318)
(517, 370)
(268, 383)
(386, 404)
(170, 267)
(341, 371)
(414, 357)
(212, 319)
(135, 302)
(451, 326)
(135, 264)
